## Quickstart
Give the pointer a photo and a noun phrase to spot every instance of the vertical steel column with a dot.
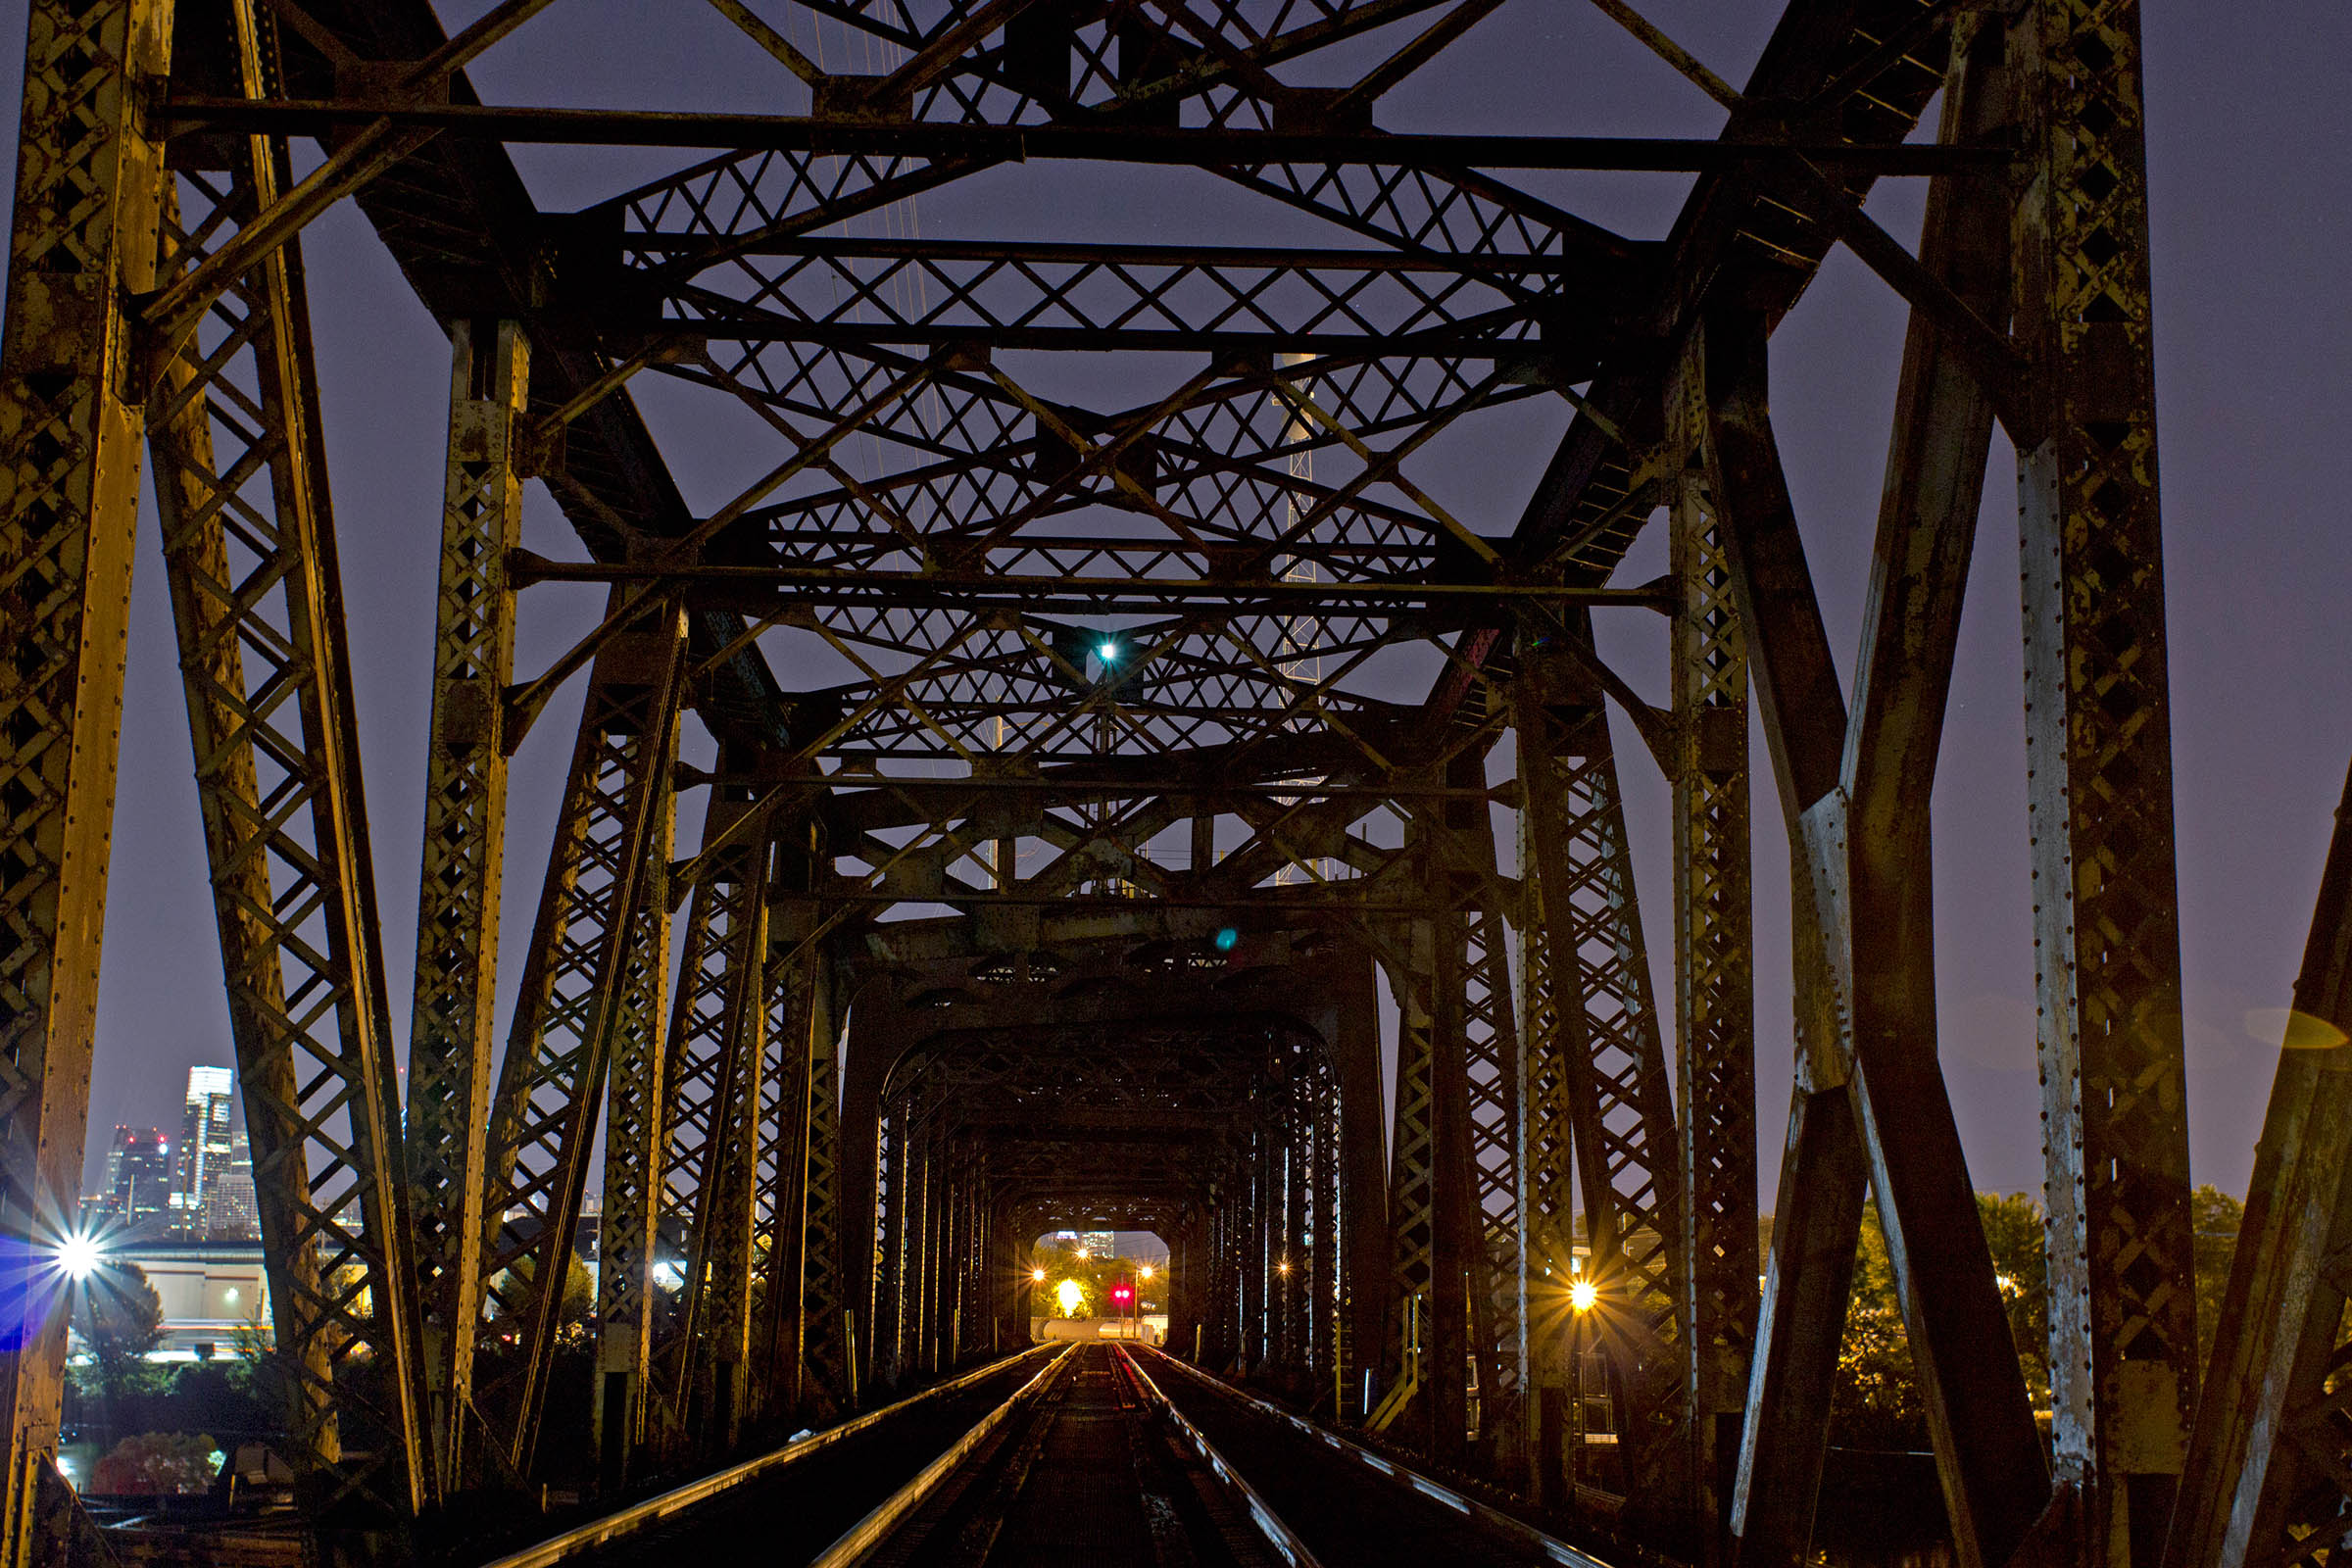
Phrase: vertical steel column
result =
(449, 1044)
(793, 1007)
(1604, 1064)
(1323, 1219)
(2269, 1478)
(716, 1056)
(1295, 1268)
(1480, 993)
(1870, 871)
(712, 1094)
(824, 1300)
(2123, 1333)
(1714, 968)
(1457, 1325)
(591, 996)
(929, 1240)
(89, 184)
(630, 1293)
(1413, 1159)
(884, 1352)
(249, 552)
(1546, 1167)
(1491, 1066)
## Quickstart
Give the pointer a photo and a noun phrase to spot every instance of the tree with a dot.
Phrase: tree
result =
(579, 1294)
(2021, 1265)
(1877, 1403)
(121, 1320)
(2215, 1217)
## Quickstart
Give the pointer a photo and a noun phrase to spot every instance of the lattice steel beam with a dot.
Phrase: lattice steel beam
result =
(711, 1088)
(1600, 1062)
(590, 998)
(88, 192)
(249, 552)
(1887, 765)
(1713, 969)
(2122, 1312)
(462, 877)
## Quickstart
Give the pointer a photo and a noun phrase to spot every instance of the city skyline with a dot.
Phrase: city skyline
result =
(195, 1186)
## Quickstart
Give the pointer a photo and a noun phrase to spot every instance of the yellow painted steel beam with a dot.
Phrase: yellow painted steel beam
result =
(461, 876)
(89, 187)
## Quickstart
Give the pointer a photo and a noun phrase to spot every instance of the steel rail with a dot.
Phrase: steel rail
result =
(869, 1532)
(1494, 1521)
(1280, 1536)
(628, 1521)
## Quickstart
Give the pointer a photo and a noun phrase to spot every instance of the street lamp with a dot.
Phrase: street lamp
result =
(1037, 1276)
(1582, 1294)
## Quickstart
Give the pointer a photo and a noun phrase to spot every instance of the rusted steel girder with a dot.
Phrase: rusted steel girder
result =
(88, 198)
(462, 875)
(2265, 1475)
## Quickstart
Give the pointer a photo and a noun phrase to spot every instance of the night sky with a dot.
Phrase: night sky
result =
(2252, 187)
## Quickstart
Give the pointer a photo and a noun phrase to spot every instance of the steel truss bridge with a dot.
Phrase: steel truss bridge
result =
(1065, 893)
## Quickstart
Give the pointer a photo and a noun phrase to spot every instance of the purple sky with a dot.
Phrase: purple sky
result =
(2251, 190)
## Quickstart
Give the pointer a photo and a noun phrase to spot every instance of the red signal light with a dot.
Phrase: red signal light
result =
(1122, 1293)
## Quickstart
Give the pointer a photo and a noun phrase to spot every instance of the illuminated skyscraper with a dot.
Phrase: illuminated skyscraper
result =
(140, 1181)
(206, 1141)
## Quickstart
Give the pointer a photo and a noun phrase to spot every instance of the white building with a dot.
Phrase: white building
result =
(213, 1294)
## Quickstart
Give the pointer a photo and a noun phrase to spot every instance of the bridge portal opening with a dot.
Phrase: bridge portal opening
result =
(1077, 1122)
(1088, 1284)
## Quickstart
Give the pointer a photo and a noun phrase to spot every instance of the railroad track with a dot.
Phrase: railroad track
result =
(1090, 1453)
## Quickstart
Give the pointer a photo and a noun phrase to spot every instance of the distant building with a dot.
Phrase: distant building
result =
(230, 1213)
(140, 1179)
(215, 1296)
(1099, 1244)
(206, 1143)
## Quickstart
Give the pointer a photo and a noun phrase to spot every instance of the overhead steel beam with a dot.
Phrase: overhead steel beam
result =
(518, 124)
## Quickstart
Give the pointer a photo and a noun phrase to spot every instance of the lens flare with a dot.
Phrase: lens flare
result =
(80, 1256)
(1582, 1294)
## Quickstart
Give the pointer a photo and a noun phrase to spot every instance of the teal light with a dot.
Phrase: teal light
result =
(1108, 652)
(1227, 935)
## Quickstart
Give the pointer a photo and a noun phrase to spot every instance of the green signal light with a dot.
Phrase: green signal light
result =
(1227, 937)
(1108, 652)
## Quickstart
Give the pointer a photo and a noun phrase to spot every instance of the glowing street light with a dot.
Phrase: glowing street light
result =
(80, 1255)
(1037, 1276)
(1143, 1272)
(1582, 1294)
(1072, 1296)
